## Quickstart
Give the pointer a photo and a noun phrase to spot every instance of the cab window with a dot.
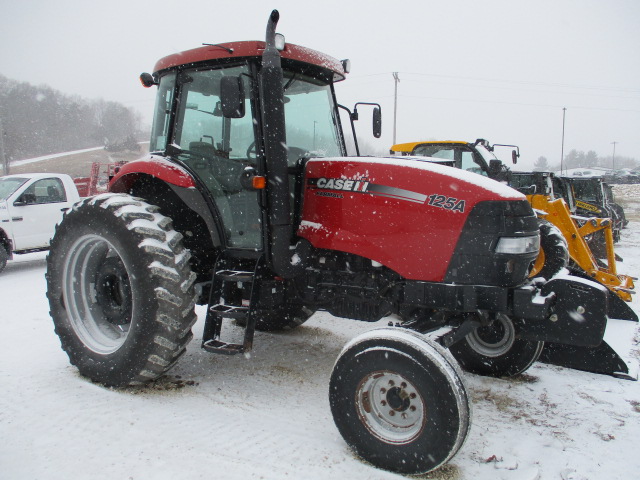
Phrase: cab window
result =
(47, 190)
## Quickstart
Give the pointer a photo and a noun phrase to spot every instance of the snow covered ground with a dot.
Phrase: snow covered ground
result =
(268, 417)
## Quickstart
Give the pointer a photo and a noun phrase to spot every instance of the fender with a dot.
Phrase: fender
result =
(155, 166)
(178, 179)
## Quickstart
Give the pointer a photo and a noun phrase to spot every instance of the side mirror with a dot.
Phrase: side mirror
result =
(514, 156)
(377, 122)
(232, 97)
(147, 80)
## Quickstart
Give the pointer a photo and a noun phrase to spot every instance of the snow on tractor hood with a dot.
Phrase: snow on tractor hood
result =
(424, 164)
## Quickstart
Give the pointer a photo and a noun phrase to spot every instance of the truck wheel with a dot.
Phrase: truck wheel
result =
(120, 290)
(496, 350)
(399, 401)
(4, 256)
(554, 252)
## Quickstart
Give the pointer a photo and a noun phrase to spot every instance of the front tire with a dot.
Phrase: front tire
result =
(399, 401)
(120, 290)
(496, 350)
(4, 256)
(554, 252)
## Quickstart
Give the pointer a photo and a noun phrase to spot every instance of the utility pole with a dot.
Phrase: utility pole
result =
(613, 159)
(564, 111)
(3, 159)
(395, 105)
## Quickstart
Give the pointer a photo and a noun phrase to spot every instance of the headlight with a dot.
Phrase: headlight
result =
(515, 245)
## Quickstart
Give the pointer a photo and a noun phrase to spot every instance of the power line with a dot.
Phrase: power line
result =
(518, 89)
(476, 100)
(502, 80)
(525, 82)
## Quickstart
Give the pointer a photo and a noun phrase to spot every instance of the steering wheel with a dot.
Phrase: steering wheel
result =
(252, 151)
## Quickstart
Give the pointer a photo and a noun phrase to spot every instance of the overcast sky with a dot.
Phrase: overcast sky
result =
(496, 69)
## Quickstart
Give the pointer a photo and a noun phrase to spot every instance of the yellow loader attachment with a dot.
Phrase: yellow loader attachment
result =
(557, 212)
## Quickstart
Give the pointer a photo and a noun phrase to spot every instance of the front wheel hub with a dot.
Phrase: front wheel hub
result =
(391, 407)
(493, 340)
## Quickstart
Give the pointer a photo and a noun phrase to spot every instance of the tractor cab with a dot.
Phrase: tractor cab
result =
(209, 120)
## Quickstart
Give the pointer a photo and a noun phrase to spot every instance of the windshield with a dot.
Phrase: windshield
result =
(10, 185)
(587, 190)
(310, 115)
(436, 151)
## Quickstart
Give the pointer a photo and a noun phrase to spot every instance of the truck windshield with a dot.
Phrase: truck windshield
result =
(311, 121)
(10, 185)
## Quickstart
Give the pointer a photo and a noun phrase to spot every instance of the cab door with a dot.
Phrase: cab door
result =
(220, 149)
(34, 212)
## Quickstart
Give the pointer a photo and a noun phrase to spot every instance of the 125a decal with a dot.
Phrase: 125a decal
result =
(448, 203)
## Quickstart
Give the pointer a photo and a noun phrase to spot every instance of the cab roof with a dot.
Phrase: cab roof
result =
(254, 48)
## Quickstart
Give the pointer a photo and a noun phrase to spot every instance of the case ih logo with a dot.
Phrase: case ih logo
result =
(340, 184)
(362, 185)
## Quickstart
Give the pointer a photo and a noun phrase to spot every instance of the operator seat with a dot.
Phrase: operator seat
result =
(54, 194)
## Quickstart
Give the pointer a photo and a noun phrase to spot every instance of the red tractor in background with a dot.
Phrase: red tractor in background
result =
(249, 205)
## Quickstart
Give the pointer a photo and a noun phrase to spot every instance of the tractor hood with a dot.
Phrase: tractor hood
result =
(408, 214)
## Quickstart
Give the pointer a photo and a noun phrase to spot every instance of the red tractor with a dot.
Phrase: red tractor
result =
(249, 205)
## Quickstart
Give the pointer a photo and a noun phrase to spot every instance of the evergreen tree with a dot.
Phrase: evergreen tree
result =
(541, 165)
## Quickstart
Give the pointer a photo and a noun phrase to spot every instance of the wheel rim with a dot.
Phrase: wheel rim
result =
(494, 340)
(390, 407)
(97, 294)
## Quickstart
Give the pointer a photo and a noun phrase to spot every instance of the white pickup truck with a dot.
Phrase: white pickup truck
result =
(31, 205)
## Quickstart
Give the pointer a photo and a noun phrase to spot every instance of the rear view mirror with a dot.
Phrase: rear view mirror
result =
(232, 97)
(514, 156)
(377, 122)
(147, 80)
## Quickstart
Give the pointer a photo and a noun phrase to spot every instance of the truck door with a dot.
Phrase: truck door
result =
(34, 212)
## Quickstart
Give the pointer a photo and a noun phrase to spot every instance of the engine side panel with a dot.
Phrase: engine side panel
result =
(404, 214)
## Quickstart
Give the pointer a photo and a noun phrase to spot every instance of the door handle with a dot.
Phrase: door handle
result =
(16, 219)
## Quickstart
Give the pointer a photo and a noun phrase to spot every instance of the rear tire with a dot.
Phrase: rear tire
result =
(120, 290)
(496, 350)
(399, 401)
